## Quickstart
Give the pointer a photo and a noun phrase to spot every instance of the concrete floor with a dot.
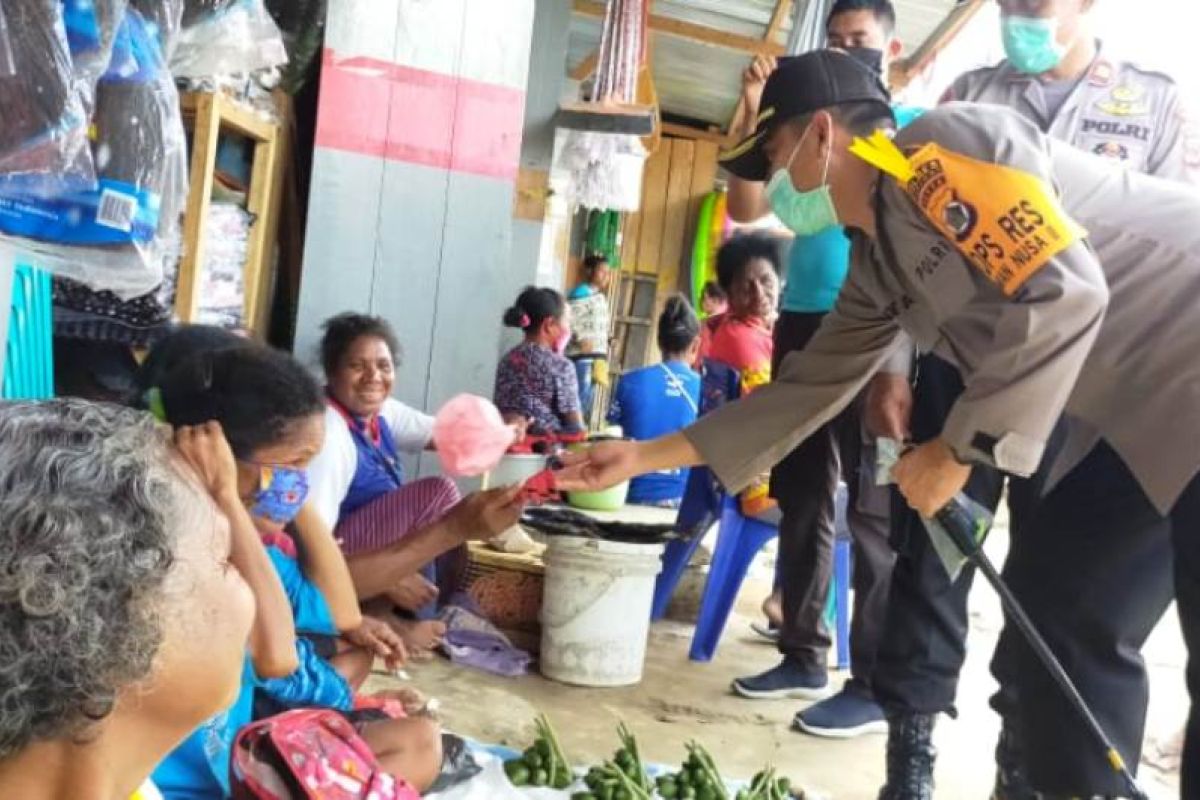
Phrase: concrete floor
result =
(679, 701)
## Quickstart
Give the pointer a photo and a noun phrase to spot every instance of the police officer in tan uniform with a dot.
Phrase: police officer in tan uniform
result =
(1077, 93)
(1054, 281)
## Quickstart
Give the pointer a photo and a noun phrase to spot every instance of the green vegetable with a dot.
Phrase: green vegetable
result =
(517, 772)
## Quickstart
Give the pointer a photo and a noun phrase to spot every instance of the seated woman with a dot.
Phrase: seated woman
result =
(358, 483)
(272, 412)
(662, 398)
(748, 271)
(123, 625)
(534, 381)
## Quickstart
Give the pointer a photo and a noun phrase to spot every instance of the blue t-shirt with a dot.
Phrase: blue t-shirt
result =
(817, 265)
(651, 402)
(198, 769)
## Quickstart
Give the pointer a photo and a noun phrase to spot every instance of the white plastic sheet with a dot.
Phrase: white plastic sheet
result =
(239, 38)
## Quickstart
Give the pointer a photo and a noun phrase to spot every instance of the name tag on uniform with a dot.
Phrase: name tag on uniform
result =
(1006, 222)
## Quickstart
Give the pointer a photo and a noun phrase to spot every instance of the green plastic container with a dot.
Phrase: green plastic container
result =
(607, 500)
(612, 499)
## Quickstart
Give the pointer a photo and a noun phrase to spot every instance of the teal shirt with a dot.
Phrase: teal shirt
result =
(817, 265)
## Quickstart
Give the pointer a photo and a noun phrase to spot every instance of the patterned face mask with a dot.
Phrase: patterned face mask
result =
(281, 493)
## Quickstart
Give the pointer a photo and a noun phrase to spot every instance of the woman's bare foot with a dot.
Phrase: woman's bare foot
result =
(413, 593)
(420, 636)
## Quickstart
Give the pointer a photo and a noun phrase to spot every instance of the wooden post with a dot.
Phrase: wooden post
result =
(206, 131)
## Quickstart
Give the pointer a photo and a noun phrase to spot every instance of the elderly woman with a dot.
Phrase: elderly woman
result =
(109, 544)
(358, 484)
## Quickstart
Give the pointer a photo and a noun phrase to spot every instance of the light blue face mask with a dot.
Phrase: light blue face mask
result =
(804, 213)
(1031, 43)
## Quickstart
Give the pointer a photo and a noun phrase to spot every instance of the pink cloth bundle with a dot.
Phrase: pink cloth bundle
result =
(470, 435)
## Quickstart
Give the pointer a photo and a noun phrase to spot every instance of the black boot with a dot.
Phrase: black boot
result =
(1012, 782)
(910, 757)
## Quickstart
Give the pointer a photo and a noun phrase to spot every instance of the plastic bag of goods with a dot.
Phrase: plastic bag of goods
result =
(43, 122)
(239, 38)
(605, 168)
(91, 27)
(165, 17)
(116, 234)
(195, 11)
(470, 435)
(226, 243)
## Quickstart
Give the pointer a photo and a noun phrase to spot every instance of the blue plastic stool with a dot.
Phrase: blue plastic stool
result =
(29, 359)
(739, 539)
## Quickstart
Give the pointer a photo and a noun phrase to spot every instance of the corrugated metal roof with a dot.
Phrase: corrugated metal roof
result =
(703, 81)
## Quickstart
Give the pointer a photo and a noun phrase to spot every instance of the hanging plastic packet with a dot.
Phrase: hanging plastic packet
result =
(888, 452)
(129, 220)
(470, 435)
(92, 27)
(164, 17)
(227, 38)
(196, 11)
(44, 125)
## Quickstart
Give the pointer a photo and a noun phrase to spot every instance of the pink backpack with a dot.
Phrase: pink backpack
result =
(309, 754)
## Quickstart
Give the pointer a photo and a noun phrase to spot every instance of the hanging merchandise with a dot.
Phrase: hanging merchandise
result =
(606, 169)
(164, 17)
(603, 150)
(232, 38)
(711, 224)
(602, 234)
(129, 222)
(43, 126)
(226, 244)
(196, 11)
(92, 27)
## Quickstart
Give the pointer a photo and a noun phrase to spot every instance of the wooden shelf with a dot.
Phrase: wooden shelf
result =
(208, 115)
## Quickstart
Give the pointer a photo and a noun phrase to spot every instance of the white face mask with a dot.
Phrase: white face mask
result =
(804, 213)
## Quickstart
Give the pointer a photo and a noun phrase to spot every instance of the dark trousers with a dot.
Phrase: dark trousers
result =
(805, 485)
(1091, 564)
(1093, 569)
(925, 636)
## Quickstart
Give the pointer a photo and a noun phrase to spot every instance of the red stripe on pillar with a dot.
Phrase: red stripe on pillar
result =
(400, 113)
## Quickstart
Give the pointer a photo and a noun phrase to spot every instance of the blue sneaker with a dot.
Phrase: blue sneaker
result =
(787, 681)
(849, 713)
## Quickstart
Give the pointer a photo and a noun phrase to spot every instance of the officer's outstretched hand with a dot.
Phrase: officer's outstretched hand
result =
(929, 476)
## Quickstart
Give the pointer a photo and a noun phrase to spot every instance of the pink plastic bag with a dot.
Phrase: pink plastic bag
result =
(470, 435)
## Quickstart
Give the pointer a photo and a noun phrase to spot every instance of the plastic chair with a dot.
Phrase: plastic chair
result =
(29, 360)
(739, 539)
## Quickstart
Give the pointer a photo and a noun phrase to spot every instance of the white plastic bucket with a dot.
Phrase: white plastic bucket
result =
(596, 610)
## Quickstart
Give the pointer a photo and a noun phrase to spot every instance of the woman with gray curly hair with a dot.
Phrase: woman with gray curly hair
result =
(123, 624)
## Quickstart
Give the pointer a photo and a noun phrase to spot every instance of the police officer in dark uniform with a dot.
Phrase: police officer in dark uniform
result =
(1060, 78)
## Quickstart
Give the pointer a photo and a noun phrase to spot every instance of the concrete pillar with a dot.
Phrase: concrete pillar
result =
(547, 76)
(418, 142)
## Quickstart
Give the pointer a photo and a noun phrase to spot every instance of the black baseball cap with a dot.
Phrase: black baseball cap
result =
(802, 85)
